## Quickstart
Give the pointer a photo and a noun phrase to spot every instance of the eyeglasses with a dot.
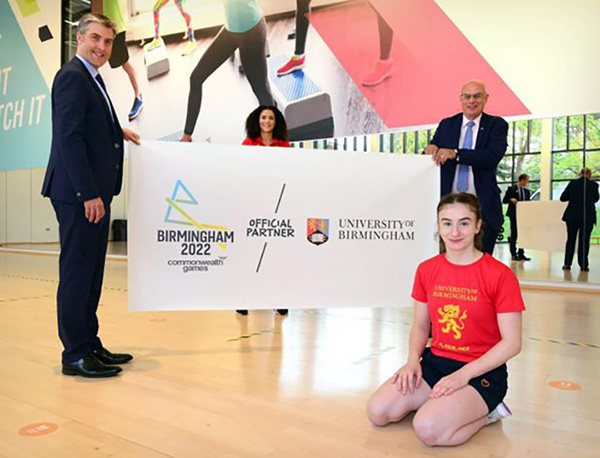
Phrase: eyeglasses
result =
(477, 96)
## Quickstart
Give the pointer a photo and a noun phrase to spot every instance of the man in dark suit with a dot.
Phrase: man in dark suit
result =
(516, 193)
(580, 217)
(468, 147)
(84, 172)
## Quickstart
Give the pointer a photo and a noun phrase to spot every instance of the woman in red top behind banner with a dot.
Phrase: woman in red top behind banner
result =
(473, 304)
(266, 126)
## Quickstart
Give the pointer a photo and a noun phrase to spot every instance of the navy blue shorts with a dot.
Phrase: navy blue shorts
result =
(491, 386)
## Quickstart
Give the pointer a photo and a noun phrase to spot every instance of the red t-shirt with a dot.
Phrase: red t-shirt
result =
(463, 302)
(258, 141)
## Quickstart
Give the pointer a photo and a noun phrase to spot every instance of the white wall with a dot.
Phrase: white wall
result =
(18, 206)
(28, 217)
(43, 222)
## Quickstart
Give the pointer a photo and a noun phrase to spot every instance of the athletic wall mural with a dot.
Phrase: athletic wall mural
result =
(194, 69)
(29, 56)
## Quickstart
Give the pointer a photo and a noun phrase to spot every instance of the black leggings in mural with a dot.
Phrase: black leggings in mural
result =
(302, 8)
(252, 46)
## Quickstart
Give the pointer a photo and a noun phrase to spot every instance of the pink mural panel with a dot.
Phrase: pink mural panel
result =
(432, 60)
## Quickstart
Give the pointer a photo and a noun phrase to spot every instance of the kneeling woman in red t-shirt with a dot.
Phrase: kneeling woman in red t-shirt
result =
(266, 126)
(473, 304)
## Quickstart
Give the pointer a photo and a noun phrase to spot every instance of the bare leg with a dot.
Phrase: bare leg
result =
(156, 14)
(388, 405)
(132, 77)
(187, 18)
(451, 420)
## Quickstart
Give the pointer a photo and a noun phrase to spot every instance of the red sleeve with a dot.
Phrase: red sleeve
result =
(248, 141)
(508, 295)
(286, 144)
(419, 292)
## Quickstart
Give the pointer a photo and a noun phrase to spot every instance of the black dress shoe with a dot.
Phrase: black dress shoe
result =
(565, 267)
(522, 257)
(106, 357)
(242, 312)
(585, 269)
(90, 367)
(515, 258)
(281, 312)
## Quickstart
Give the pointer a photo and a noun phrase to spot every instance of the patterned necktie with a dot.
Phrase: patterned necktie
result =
(462, 181)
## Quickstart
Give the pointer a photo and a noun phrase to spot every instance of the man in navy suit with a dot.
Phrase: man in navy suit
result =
(516, 193)
(84, 172)
(580, 217)
(468, 147)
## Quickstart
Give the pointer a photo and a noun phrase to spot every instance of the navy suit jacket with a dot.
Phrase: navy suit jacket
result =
(582, 195)
(484, 159)
(512, 192)
(86, 157)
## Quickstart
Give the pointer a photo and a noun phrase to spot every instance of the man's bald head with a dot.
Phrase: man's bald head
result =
(473, 98)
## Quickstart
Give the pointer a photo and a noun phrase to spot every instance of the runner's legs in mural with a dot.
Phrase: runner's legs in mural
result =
(296, 62)
(138, 102)
(120, 55)
(252, 54)
(191, 44)
(384, 67)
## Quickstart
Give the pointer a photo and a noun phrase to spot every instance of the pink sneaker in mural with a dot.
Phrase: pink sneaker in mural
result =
(293, 65)
(381, 71)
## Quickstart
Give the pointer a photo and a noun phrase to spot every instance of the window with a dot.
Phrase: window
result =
(72, 11)
(575, 144)
(523, 155)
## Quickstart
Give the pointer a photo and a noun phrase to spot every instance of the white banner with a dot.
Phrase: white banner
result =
(226, 227)
(540, 225)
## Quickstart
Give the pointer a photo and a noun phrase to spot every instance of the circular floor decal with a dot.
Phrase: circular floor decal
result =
(38, 429)
(564, 385)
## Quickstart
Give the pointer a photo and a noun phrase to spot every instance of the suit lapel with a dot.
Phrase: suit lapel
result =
(483, 129)
(98, 92)
(456, 129)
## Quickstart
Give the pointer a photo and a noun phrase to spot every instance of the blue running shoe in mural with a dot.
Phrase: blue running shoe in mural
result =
(136, 109)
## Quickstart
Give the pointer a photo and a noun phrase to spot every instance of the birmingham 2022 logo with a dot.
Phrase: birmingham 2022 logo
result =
(196, 240)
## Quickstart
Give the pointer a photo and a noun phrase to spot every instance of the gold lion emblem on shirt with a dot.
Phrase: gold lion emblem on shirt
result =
(452, 319)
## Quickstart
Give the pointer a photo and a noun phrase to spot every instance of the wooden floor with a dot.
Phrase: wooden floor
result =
(543, 267)
(212, 384)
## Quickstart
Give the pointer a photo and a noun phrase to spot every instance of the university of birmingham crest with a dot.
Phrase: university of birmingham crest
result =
(317, 230)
